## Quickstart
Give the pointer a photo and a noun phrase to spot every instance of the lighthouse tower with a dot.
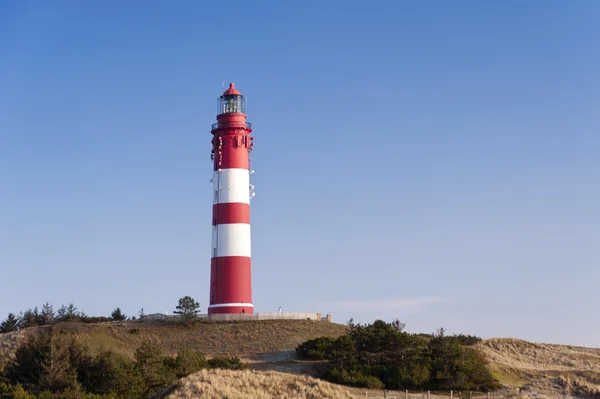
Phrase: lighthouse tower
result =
(230, 265)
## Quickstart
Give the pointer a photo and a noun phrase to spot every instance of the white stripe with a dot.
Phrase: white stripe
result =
(231, 239)
(230, 305)
(232, 185)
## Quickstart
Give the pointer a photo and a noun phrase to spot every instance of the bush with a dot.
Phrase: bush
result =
(383, 354)
(316, 349)
(189, 361)
(355, 379)
(467, 340)
(223, 362)
(14, 392)
(56, 365)
(155, 368)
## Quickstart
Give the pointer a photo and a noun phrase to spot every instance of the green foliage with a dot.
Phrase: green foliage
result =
(69, 313)
(10, 324)
(51, 365)
(189, 361)
(14, 392)
(223, 362)
(354, 378)
(29, 357)
(383, 354)
(47, 316)
(30, 318)
(188, 308)
(316, 349)
(153, 366)
(111, 374)
(467, 340)
(117, 315)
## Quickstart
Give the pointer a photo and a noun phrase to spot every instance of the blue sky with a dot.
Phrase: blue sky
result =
(430, 161)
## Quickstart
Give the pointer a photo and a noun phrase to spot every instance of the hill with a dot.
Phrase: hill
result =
(212, 338)
(544, 369)
(252, 384)
(538, 370)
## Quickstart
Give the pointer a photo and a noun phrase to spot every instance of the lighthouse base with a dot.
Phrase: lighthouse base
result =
(231, 308)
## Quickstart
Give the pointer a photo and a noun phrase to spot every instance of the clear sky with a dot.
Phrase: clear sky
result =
(432, 161)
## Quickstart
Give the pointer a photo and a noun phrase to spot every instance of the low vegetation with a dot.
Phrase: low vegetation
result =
(55, 364)
(257, 385)
(382, 355)
(554, 370)
(187, 307)
(48, 354)
(34, 317)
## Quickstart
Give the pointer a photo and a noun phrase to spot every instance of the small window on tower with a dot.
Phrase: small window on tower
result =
(216, 195)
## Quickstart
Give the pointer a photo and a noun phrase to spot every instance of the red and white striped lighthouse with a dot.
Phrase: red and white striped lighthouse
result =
(230, 265)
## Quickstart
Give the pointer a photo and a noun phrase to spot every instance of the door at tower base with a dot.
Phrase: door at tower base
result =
(232, 276)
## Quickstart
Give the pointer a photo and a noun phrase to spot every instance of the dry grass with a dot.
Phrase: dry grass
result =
(541, 357)
(227, 338)
(545, 370)
(539, 370)
(250, 384)
(8, 345)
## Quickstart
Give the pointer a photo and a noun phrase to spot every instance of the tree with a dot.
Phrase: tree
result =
(70, 313)
(57, 373)
(10, 324)
(188, 308)
(118, 315)
(47, 315)
(398, 325)
(30, 318)
(153, 366)
(141, 313)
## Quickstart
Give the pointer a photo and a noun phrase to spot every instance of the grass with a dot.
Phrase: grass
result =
(546, 369)
(250, 384)
(540, 357)
(212, 338)
(8, 345)
(509, 376)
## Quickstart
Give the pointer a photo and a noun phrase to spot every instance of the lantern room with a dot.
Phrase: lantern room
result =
(231, 101)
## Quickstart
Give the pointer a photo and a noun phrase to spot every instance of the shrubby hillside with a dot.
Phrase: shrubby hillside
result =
(382, 355)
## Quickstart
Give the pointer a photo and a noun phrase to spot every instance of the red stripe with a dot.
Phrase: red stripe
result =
(234, 149)
(230, 282)
(231, 212)
(232, 158)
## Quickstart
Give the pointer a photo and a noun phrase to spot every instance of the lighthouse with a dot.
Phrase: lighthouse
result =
(230, 265)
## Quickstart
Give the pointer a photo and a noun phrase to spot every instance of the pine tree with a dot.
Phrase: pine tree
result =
(118, 315)
(56, 372)
(188, 308)
(11, 324)
(62, 313)
(47, 316)
(29, 318)
(72, 313)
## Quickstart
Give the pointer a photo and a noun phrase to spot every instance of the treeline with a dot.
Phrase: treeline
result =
(47, 316)
(383, 355)
(50, 365)
(187, 308)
